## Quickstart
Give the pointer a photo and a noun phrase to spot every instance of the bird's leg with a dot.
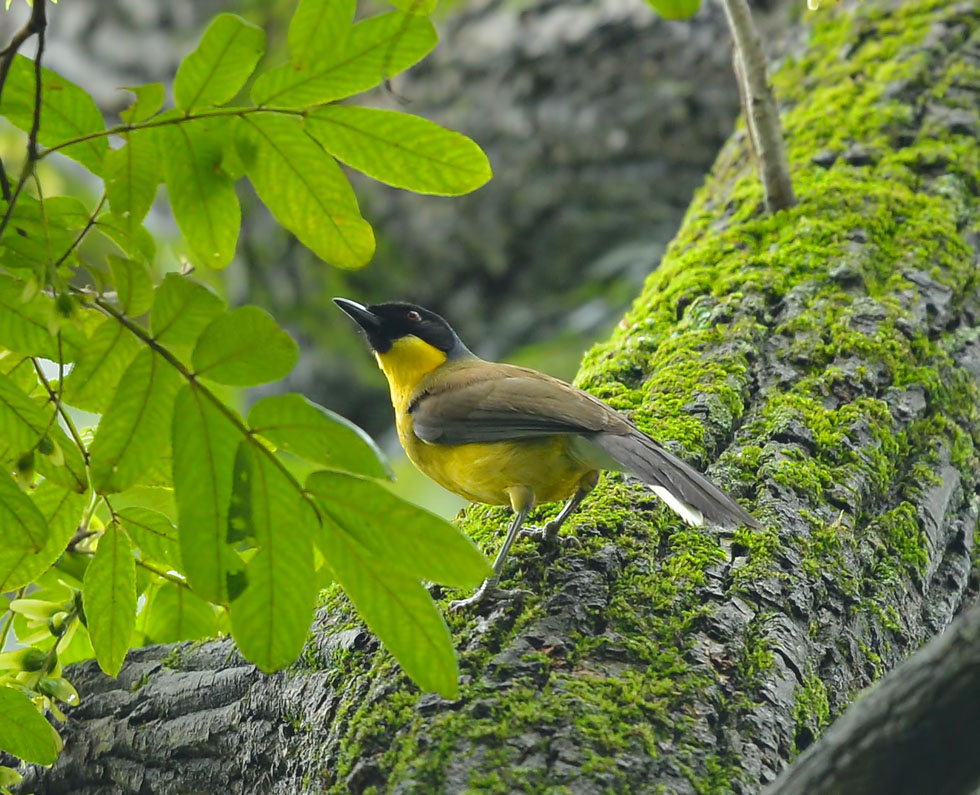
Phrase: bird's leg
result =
(551, 529)
(522, 507)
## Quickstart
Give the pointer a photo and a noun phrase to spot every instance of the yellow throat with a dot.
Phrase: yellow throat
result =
(406, 363)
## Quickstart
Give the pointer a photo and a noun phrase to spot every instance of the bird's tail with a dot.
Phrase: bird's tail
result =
(689, 493)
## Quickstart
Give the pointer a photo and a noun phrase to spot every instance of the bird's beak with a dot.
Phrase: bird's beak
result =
(360, 314)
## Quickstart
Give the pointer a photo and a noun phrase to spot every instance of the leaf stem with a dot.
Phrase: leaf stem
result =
(56, 399)
(191, 378)
(122, 129)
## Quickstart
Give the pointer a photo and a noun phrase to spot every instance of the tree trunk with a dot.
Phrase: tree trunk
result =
(826, 359)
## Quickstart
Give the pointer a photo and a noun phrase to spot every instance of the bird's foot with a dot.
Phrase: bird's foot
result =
(487, 592)
(548, 535)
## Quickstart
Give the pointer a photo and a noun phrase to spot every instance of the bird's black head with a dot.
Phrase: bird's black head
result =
(385, 323)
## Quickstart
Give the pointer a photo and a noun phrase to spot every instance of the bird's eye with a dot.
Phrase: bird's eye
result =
(414, 316)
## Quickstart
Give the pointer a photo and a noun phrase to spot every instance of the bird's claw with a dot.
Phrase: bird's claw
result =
(549, 535)
(489, 591)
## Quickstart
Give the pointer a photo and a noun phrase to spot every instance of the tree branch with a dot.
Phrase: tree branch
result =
(36, 24)
(915, 731)
(759, 105)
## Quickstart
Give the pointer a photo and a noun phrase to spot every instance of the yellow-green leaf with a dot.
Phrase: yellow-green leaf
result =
(149, 99)
(400, 149)
(202, 197)
(425, 546)
(67, 112)
(24, 731)
(183, 308)
(675, 9)
(62, 511)
(22, 422)
(25, 326)
(271, 615)
(177, 613)
(222, 62)
(109, 599)
(305, 189)
(134, 285)
(22, 526)
(397, 609)
(318, 30)
(244, 347)
(309, 431)
(153, 533)
(103, 360)
(135, 429)
(375, 50)
(205, 441)
(132, 174)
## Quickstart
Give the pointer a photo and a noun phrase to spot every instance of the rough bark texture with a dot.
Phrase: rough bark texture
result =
(827, 358)
(916, 732)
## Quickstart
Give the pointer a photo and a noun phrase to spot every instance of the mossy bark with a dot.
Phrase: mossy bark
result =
(823, 363)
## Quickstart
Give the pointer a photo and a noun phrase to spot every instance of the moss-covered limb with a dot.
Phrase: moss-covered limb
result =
(820, 357)
(825, 363)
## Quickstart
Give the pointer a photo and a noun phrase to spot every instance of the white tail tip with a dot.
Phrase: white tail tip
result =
(690, 515)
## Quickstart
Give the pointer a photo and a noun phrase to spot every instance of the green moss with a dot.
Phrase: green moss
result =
(811, 710)
(174, 659)
(826, 434)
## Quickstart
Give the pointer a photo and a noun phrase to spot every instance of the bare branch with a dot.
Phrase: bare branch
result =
(759, 104)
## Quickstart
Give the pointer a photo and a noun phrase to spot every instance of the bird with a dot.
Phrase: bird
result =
(501, 434)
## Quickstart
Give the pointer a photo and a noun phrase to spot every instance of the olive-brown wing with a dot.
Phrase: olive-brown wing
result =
(489, 402)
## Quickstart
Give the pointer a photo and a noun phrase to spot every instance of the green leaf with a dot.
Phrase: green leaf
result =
(22, 526)
(24, 731)
(305, 189)
(22, 422)
(132, 240)
(397, 609)
(222, 62)
(205, 442)
(109, 599)
(134, 430)
(297, 426)
(318, 30)
(132, 174)
(675, 9)
(103, 360)
(149, 99)
(271, 616)
(202, 197)
(26, 326)
(67, 112)
(400, 150)
(134, 285)
(182, 310)
(177, 613)
(153, 533)
(65, 465)
(424, 546)
(62, 511)
(375, 50)
(40, 233)
(244, 347)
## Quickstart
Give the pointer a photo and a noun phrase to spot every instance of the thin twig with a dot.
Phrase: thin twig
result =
(10, 619)
(37, 24)
(56, 399)
(191, 378)
(759, 104)
(165, 574)
(6, 61)
(85, 230)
